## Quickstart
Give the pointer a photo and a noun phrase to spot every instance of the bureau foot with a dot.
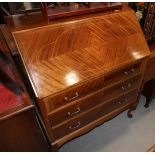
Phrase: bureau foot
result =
(129, 112)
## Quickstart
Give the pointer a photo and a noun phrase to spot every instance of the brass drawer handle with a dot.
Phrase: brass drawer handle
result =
(74, 97)
(75, 112)
(129, 72)
(123, 101)
(126, 87)
(75, 126)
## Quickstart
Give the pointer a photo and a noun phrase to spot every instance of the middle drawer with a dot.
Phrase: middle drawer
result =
(91, 100)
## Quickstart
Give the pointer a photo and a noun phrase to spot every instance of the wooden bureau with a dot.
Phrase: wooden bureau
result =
(84, 71)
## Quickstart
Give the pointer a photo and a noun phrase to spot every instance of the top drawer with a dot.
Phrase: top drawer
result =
(52, 103)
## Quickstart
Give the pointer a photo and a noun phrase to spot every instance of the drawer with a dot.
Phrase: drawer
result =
(121, 88)
(123, 74)
(93, 114)
(76, 108)
(52, 103)
(92, 100)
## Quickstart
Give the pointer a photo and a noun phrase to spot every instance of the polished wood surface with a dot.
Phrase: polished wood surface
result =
(92, 100)
(69, 53)
(84, 70)
(57, 143)
(92, 85)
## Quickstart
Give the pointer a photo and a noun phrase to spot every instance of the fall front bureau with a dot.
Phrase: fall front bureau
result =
(84, 71)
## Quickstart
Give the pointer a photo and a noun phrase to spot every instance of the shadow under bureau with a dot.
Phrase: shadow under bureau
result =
(84, 71)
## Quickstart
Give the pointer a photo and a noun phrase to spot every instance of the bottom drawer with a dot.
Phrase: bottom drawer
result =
(93, 114)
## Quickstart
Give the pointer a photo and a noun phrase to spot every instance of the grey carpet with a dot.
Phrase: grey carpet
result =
(121, 134)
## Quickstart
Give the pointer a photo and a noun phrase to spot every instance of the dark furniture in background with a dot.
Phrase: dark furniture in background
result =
(148, 21)
(149, 91)
(149, 32)
(149, 25)
(67, 9)
(52, 10)
(23, 7)
(21, 132)
(149, 78)
(1, 15)
(20, 128)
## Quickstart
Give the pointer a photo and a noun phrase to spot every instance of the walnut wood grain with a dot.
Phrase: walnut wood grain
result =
(80, 61)
(75, 108)
(61, 55)
(57, 103)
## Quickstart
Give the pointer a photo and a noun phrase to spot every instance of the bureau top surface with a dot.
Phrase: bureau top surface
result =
(65, 54)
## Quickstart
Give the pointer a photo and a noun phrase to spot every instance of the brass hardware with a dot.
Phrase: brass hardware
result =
(129, 72)
(126, 87)
(75, 126)
(133, 70)
(75, 112)
(123, 101)
(72, 98)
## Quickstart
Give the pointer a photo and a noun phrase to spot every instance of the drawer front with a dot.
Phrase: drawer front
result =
(122, 75)
(75, 109)
(101, 110)
(72, 95)
(80, 91)
(121, 88)
(92, 100)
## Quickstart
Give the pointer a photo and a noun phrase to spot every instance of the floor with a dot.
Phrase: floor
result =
(120, 134)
